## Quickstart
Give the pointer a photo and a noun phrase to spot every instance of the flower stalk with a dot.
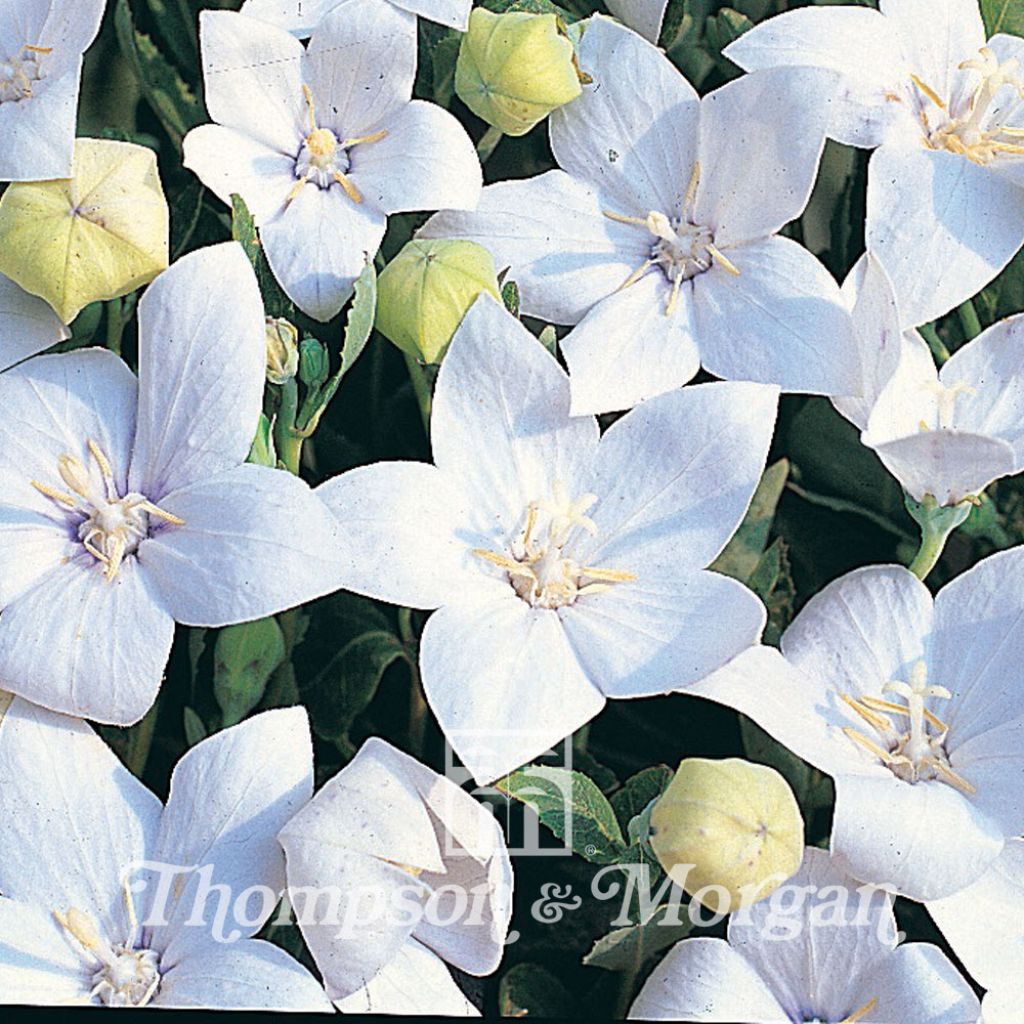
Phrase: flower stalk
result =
(937, 522)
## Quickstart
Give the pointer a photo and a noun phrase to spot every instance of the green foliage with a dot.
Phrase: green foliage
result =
(243, 230)
(629, 948)
(529, 990)
(1003, 16)
(245, 657)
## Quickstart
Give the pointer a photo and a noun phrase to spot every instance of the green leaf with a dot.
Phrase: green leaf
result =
(549, 339)
(571, 806)
(345, 686)
(629, 948)
(510, 296)
(359, 320)
(744, 551)
(445, 52)
(243, 230)
(529, 990)
(1003, 16)
(262, 452)
(186, 208)
(164, 89)
(195, 730)
(772, 581)
(244, 659)
(177, 29)
(638, 791)
(723, 28)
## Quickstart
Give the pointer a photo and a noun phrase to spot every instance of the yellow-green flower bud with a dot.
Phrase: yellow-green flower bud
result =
(101, 233)
(282, 351)
(515, 68)
(728, 824)
(426, 290)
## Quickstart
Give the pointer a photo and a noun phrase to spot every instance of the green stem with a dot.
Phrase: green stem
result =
(969, 320)
(488, 143)
(417, 702)
(115, 326)
(939, 350)
(937, 522)
(422, 389)
(286, 437)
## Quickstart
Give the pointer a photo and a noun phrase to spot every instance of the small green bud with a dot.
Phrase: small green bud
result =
(314, 363)
(426, 290)
(245, 657)
(731, 824)
(515, 68)
(282, 351)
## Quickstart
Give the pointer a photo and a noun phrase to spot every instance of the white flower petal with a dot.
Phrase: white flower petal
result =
(550, 231)
(781, 321)
(76, 821)
(854, 41)
(298, 18)
(230, 796)
(228, 161)
(28, 325)
(1002, 1005)
(414, 983)
(70, 23)
(706, 980)
(984, 923)
(663, 631)
(501, 425)
(918, 983)
(632, 134)
(255, 541)
(87, 646)
(503, 683)
(249, 975)
(453, 13)
(253, 76)
(643, 16)
(202, 362)
(38, 964)
(319, 245)
(942, 227)
(685, 463)
(761, 139)
(425, 162)
(627, 348)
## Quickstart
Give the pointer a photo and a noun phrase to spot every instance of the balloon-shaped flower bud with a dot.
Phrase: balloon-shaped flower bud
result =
(101, 233)
(282, 351)
(426, 290)
(314, 363)
(728, 832)
(515, 68)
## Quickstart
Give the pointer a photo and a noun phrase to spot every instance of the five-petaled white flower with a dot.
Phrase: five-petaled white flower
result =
(387, 827)
(125, 503)
(829, 954)
(945, 208)
(110, 898)
(567, 567)
(28, 325)
(945, 432)
(984, 924)
(301, 17)
(658, 236)
(914, 707)
(323, 144)
(41, 47)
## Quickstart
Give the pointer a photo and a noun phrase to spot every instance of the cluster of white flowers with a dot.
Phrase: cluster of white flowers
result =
(563, 565)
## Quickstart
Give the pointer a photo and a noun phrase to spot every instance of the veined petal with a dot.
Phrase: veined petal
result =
(684, 464)
(1002, 1005)
(28, 325)
(84, 645)
(551, 232)
(942, 226)
(298, 19)
(632, 134)
(628, 347)
(230, 796)
(76, 821)
(918, 982)
(782, 321)
(761, 139)
(72, 24)
(248, 975)
(853, 41)
(414, 983)
(202, 362)
(253, 76)
(503, 683)
(425, 162)
(643, 16)
(319, 245)
(254, 542)
(706, 980)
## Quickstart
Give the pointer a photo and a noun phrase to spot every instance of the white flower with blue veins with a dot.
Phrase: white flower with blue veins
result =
(127, 504)
(566, 567)
(945, 207)
(658, 238)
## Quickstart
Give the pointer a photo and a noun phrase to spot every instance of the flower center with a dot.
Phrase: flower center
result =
(682, 248)
(109, 526)
(980, 134)
(124, 975)
(538, 564)
(945, 404)
(323, 159)
(18, 74)
(917, 754)
(849, 1019)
